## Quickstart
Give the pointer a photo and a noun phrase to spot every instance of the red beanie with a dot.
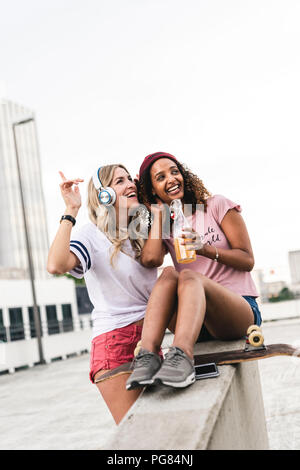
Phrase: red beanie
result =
(152, 158)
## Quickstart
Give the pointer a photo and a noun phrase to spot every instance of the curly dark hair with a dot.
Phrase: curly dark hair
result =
(194, 190)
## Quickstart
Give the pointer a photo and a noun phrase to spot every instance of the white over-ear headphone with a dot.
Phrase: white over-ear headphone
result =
(106, 196)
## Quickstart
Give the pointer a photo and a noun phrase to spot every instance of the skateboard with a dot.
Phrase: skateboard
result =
(254, 349)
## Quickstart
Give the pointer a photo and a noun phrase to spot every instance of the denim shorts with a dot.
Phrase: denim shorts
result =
(206, 336)
(256, 312)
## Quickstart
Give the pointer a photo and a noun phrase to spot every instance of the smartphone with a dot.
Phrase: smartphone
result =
(205, 371)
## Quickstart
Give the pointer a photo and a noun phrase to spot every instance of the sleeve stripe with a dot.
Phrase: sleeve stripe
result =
(81, 252)
(87, 257)
(78, 270)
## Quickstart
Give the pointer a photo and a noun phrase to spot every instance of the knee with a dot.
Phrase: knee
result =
(189, 276)
(169, 274)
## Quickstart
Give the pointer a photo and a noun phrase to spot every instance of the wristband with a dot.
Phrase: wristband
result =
(217, 254)
(68, 217)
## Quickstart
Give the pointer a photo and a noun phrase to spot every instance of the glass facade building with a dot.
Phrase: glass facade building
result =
(12, 237)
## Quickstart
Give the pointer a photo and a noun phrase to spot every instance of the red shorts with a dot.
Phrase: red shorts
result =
(114, 348)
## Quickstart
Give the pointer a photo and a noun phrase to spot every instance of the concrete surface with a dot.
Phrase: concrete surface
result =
(241, 422)
(280, 378)
(53, 407)
(285, 310)
(225, 412)
(56, 407)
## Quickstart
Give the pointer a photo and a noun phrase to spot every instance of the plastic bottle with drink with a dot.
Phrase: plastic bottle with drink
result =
(182, 254)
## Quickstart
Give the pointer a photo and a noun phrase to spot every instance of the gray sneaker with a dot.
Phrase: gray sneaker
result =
(145, 365)
(177, 369)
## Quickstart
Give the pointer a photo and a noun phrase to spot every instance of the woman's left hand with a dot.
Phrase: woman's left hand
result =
(191, 240)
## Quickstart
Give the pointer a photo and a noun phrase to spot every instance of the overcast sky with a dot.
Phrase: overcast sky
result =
(214, 82)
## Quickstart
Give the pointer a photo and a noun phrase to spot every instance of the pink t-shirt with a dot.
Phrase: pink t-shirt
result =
(208, 225)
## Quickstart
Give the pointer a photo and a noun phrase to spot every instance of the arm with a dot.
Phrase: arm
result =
(154, 250)
(240, 256)
(60, 258)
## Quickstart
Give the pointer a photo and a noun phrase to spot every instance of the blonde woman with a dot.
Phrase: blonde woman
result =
(119, 286)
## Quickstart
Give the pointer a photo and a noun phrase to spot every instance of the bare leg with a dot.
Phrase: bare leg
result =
(200, 300)
(118, 399)
(161, 306)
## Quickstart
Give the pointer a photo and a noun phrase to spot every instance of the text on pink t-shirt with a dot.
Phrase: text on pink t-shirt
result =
(211, 232)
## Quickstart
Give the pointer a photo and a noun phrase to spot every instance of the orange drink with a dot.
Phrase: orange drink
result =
(182, 254)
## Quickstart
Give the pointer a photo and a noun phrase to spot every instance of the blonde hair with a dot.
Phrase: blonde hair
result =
(104, 216)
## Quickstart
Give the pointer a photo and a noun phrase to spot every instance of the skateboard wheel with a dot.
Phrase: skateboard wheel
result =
(256, 338)
(253, 328)
(137, 348)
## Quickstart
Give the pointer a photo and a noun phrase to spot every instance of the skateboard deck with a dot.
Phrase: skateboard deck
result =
(243, 355)
(254, 349)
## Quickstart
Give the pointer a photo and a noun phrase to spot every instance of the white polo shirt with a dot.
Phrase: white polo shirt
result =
(118, 293)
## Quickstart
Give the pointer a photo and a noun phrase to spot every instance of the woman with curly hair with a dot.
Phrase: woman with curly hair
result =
(215, 293)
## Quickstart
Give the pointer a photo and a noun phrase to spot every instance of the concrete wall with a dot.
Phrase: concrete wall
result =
(221, 413)
(25, 352)
(17, 292)
(241, 421)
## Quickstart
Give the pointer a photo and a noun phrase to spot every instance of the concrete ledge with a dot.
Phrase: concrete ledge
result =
(221, 413)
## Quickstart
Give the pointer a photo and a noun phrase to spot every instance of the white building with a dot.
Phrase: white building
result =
(64, 332)
(12, 239)
(294, 262)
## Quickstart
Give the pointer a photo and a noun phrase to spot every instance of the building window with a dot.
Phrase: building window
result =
(83, 301)
(52, 322)
(67, 323)
(31, 322)
(3, 336)
(16, 324)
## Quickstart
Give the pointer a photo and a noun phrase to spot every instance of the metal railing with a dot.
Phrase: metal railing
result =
(3, 334)
(67, 325)
(17, 332)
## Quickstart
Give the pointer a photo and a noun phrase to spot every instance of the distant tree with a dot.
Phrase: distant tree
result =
(284, 294)
(78, 282)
